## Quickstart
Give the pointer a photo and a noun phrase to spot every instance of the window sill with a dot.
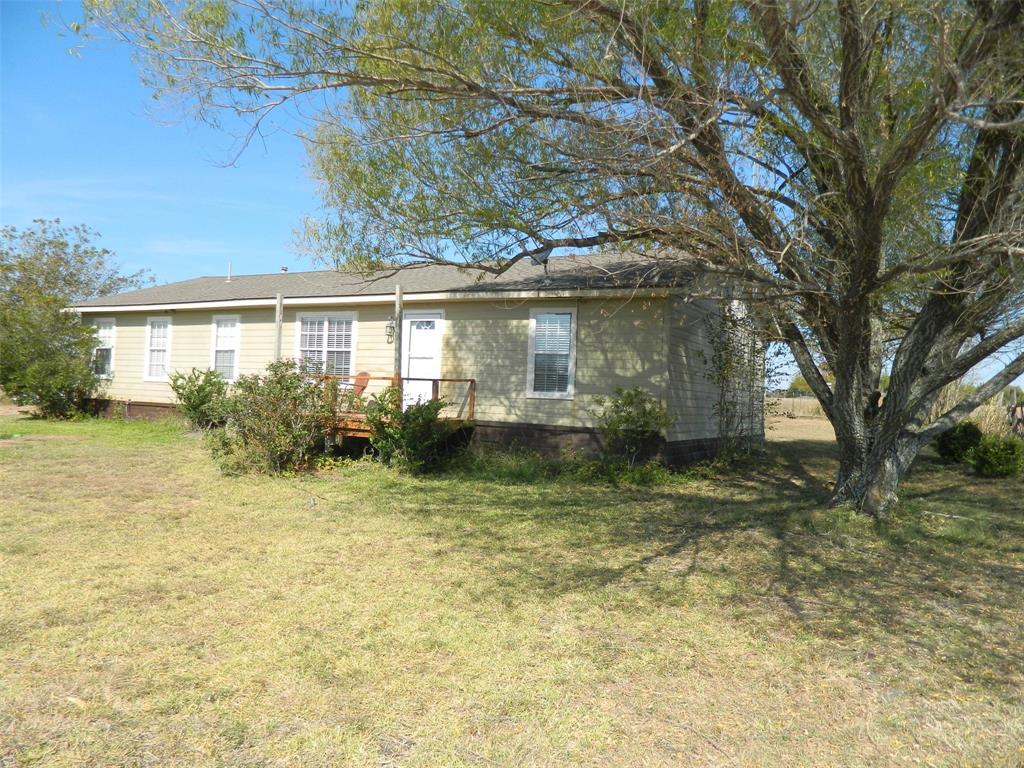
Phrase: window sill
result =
(157, 379)
(550, 396)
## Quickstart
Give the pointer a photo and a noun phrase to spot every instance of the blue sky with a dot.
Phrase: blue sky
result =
(79, 141)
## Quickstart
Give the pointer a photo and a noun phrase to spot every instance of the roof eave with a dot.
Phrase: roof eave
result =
(383, 298)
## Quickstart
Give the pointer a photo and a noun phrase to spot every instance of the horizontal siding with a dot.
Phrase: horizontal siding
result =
(619, 343)
(692, 393)
(191, 340)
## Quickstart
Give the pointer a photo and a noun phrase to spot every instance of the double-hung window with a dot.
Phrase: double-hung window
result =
(326, 343)
(103, 355)
(551, 365)
(158, 348)
(226, 333)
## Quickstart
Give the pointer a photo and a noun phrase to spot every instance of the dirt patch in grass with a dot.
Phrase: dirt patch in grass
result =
(155, 612)
(16, 438)
(9, 410)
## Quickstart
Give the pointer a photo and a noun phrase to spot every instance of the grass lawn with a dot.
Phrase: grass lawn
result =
(154, 612)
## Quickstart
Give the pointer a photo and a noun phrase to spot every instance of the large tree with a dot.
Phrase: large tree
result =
(857, 166)
(45, 351)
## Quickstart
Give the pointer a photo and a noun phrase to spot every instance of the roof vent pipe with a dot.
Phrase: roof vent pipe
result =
(229, 273)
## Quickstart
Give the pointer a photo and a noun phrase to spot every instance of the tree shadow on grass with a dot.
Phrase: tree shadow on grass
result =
(938, 587)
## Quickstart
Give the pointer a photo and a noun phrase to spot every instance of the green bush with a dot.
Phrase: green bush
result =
(274, 422)
(954, 444)
(647, 474)
(200, 396)
(996, 456)
(46, 361)
(414, 439)
(630, 423)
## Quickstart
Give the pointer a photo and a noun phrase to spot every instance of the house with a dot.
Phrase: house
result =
(523, 355)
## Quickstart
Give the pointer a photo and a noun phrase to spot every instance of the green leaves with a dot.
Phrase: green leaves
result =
(631, 423)
(200, 396)
(411, 437)
(274, 422)
(46, 352)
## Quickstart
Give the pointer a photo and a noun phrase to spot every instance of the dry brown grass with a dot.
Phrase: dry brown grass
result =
(154, 612)
(795, 407)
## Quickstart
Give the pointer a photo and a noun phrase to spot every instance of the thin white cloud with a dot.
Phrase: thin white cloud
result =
(93, 196)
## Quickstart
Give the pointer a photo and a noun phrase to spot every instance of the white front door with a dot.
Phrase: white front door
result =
(421, 354)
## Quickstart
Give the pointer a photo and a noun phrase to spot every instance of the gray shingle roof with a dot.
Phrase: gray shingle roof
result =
(563, 273)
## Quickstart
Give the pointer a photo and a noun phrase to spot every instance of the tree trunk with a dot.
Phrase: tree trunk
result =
(852, 441)
(870, 485)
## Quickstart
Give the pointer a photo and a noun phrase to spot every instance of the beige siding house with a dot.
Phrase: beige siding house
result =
(540, 342)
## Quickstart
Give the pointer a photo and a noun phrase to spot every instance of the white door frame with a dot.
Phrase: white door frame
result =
(408, 317)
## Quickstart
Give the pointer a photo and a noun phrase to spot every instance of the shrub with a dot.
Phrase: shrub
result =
(200, 396)
(953, 444)
(46, 357)
(414, 439)
(617, 473)
(996, 456)
(273, 422)
(630, 423)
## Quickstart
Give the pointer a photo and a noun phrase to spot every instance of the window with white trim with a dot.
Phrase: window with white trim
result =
(225, 342)
(552, 357)
(103, 355)
(158, 348)
(326, 343)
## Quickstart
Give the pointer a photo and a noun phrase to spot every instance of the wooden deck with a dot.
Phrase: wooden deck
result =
(353, 423)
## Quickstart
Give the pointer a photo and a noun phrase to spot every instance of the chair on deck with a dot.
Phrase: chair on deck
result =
(361, 381)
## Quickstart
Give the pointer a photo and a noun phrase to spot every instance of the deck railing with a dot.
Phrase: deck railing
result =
(462, 401)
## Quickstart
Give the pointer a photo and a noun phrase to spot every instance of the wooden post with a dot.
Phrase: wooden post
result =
(435, 389)
(278, 323)
(398, 339)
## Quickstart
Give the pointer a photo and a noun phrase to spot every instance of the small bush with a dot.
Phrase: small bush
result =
(996, 456)
(200, 396)
(630, 423)
(646, 474)
(273, 422)
(954, 444)
(414, 439)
